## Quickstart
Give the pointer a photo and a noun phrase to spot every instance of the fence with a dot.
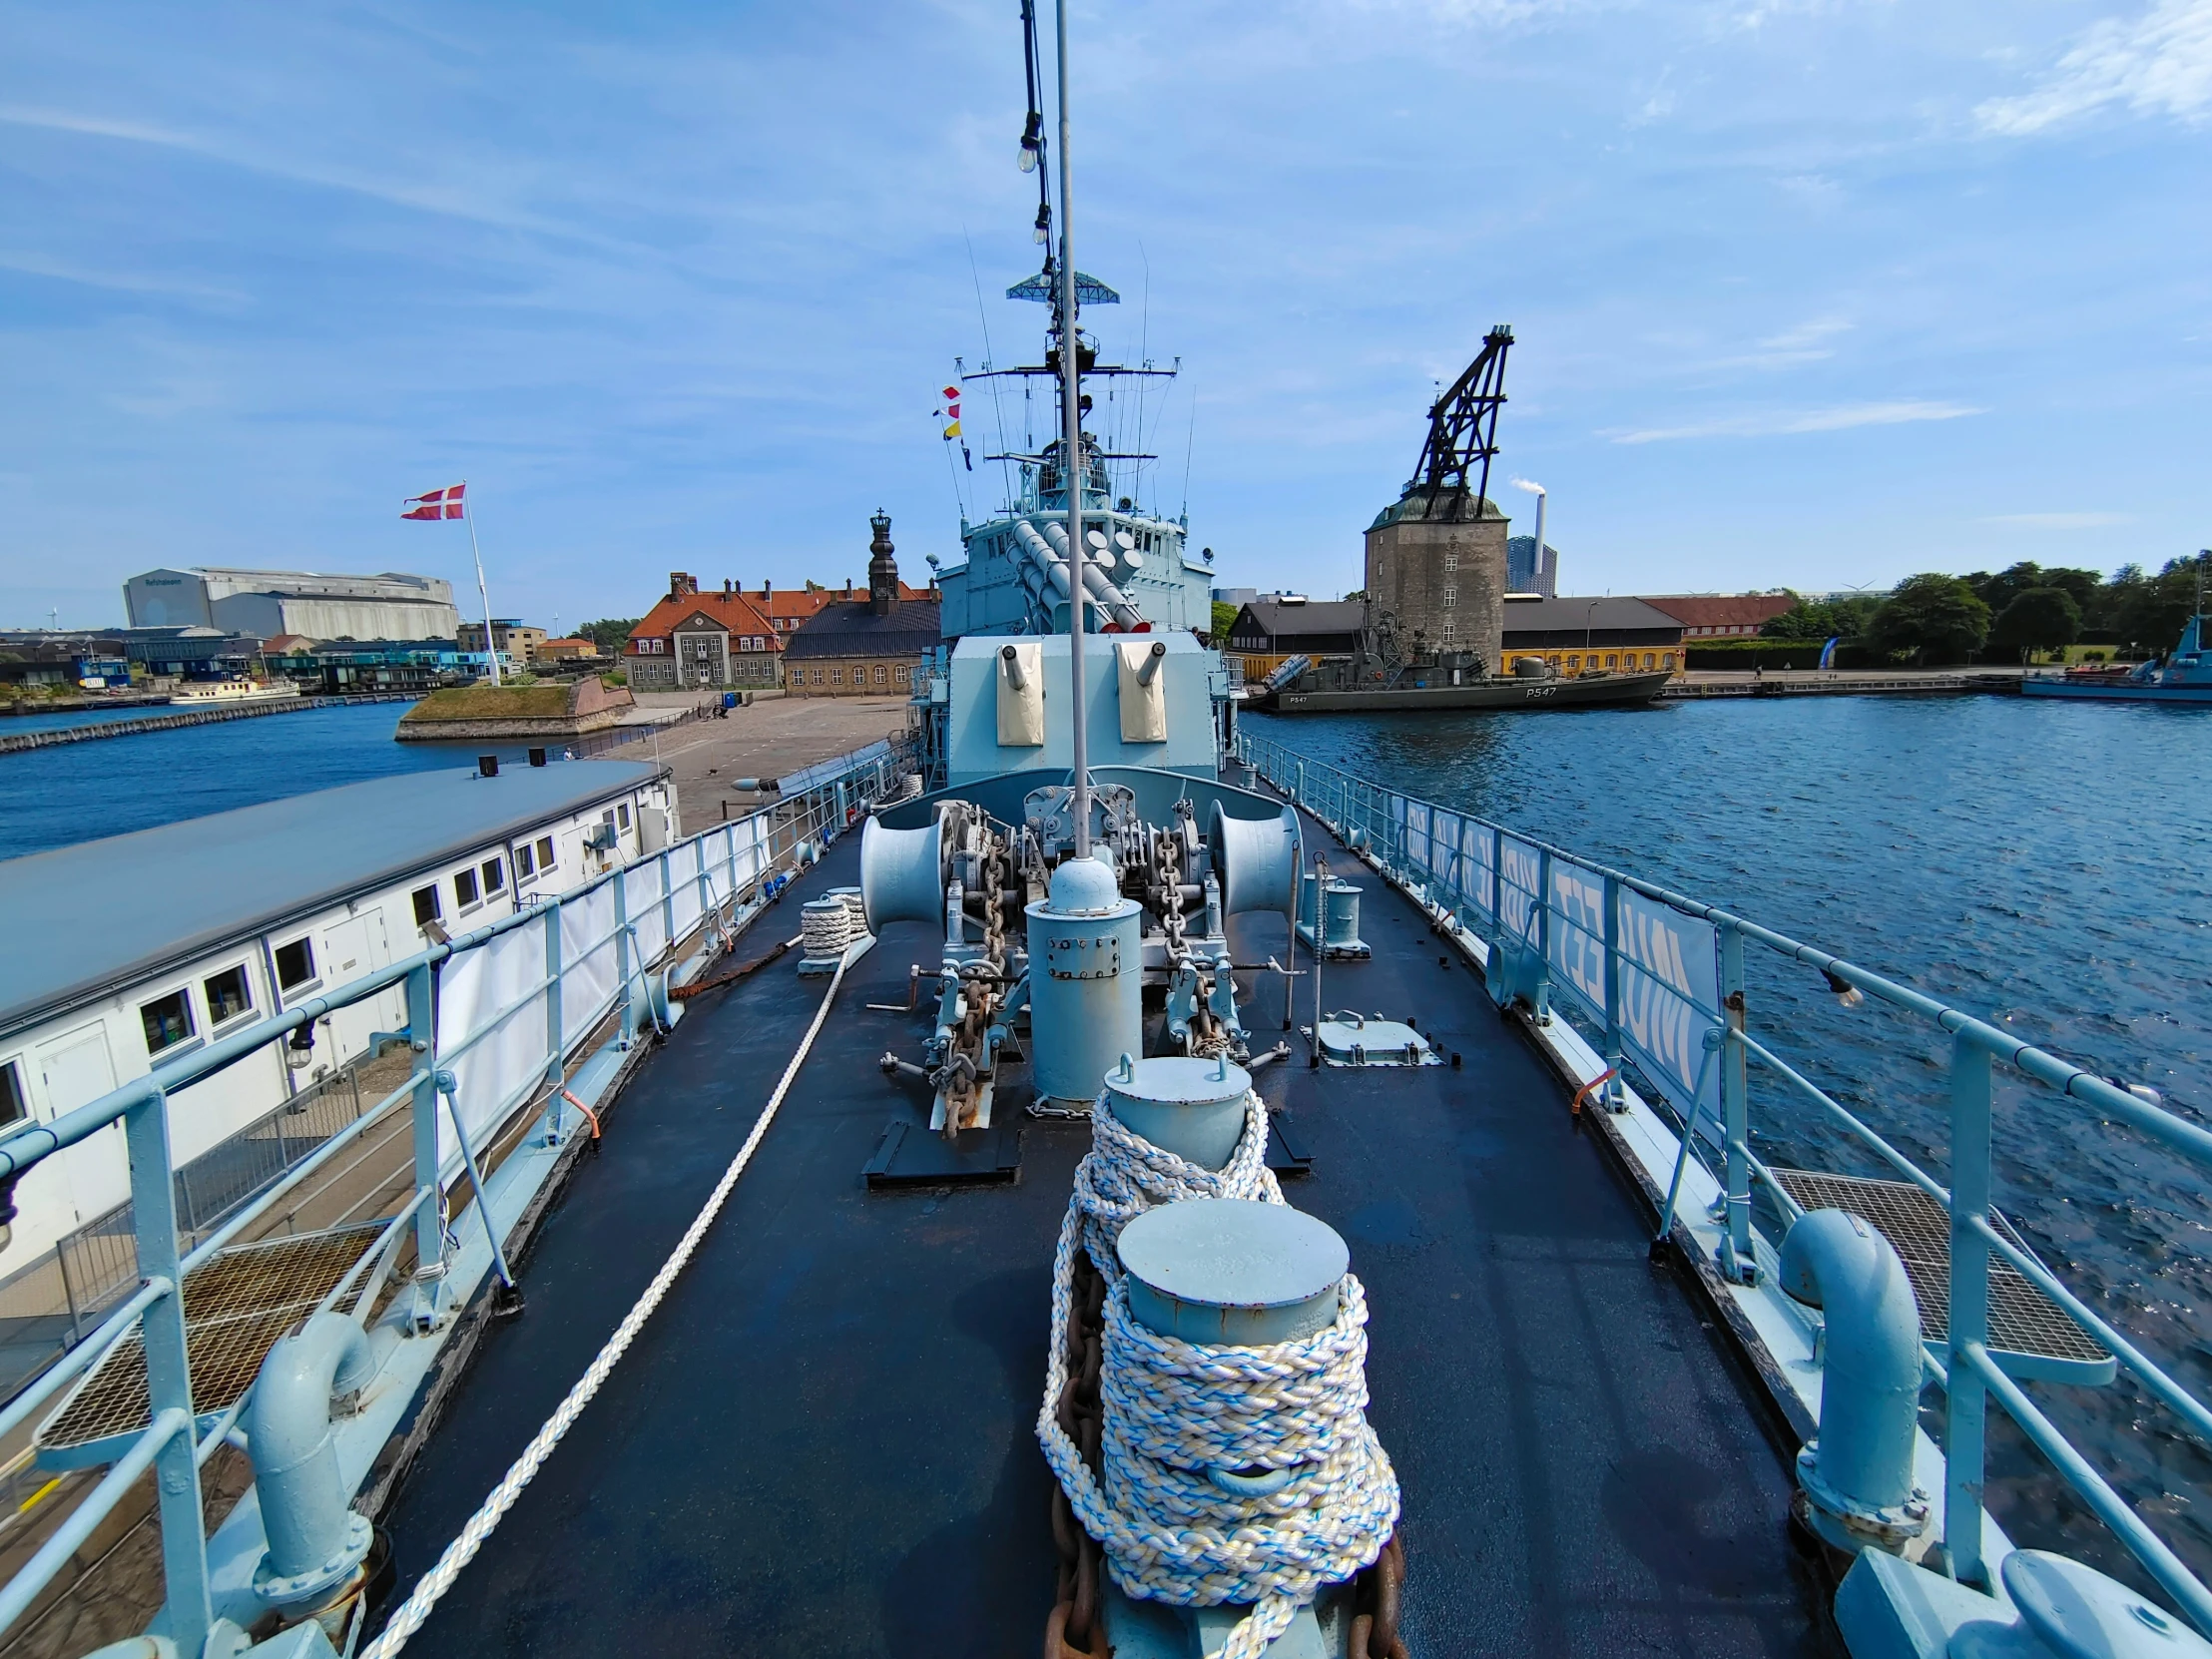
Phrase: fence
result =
(494, 1018)
(49, 1304)
(1659, 978)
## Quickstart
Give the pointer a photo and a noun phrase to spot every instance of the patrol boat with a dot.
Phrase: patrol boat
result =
(1161, 1195)
(2183, 677)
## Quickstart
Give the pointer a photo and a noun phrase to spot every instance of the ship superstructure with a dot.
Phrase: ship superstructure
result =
(1141, 573)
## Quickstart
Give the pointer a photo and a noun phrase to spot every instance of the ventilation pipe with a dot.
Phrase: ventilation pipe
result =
(316, 1541)
(1857, 1476)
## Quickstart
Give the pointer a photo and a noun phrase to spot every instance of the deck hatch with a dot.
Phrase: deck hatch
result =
(236, 1307)
(2029, 1335)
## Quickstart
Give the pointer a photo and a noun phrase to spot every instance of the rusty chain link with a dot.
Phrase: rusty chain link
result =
(1074, 1630)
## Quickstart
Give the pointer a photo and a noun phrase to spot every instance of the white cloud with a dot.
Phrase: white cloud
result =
(2059, 521)
(1774, 424)
(1806, 335)
(2159, 63)
(125, 281)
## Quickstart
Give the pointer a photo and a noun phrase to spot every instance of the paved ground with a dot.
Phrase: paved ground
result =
(1814, 677)
(773, 738)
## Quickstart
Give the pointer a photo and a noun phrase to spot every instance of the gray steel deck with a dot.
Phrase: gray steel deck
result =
(822, 1442)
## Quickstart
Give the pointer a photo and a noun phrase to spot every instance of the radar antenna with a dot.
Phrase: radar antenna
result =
(1463, 430)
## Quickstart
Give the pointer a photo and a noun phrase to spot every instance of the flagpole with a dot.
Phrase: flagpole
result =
(492, 646)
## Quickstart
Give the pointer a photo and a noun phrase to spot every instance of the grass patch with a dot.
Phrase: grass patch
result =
(491, 703)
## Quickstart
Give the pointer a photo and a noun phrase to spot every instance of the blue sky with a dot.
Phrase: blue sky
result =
(1817, 294)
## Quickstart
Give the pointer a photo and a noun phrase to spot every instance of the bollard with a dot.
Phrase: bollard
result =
(1193, 1108)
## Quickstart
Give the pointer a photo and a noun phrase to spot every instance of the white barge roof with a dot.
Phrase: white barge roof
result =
(83, 921)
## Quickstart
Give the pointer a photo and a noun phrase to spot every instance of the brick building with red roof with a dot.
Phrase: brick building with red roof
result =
(1706, 616)
(714, 638)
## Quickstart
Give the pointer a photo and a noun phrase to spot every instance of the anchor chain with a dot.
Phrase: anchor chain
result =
(984, 984)
(1073, 1629)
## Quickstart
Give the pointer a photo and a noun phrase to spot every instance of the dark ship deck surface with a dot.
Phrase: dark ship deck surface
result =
(822, 1442)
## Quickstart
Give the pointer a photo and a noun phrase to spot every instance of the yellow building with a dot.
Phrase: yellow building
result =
(1578, 635)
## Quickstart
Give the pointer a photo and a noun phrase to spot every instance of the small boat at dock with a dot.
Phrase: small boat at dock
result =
(2184, 677)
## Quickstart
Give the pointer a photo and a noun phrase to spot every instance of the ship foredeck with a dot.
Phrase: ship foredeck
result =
(822, 1442)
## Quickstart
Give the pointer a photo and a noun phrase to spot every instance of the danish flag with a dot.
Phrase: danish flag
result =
(444, 503)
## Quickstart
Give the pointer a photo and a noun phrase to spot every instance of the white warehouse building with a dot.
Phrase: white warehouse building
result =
(265, 603)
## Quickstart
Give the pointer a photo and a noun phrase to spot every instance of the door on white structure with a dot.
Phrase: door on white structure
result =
(75, 1070)
(351, 949)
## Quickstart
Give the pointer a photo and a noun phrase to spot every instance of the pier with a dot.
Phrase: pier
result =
(15, 741)
(1814, 683)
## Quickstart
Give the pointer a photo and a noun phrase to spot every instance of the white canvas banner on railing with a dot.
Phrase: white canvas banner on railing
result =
(1520, 874)
(641, 895)
(1577, 935)
(714, 852)
(592, 961)
(475, 989)
(685, 898)
(1670, 997)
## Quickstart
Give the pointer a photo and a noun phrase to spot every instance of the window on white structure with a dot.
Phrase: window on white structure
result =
(167, 1020)
(426, 908)
(466, 892)
(295, 964)
(545, 853)
(229, 995)
(15, 1106)
(622, 815)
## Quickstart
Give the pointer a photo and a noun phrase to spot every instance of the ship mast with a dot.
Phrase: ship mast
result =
(1071, 460)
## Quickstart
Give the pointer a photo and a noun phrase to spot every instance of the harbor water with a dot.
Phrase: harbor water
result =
(2045, 865)
(79, 792)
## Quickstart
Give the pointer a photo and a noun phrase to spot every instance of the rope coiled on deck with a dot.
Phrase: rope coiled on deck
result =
(1174, 1412)
(463, 1549)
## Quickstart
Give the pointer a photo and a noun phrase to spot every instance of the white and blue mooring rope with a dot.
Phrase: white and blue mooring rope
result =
(463, 1549)
(1174, 1412)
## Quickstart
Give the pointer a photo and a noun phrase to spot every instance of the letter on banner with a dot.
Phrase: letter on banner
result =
(1670, 997)
(1475, 865)
(1578, 935)
(1521, 869)
(1444, 836)
(1416, 835)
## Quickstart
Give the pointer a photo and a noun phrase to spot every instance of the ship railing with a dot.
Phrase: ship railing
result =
(465, 1000)
(1660, 979)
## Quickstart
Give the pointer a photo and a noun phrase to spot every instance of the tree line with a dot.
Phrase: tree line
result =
(2006, 614)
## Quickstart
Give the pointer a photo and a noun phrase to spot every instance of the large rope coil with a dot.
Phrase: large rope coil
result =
(1210, 1473)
